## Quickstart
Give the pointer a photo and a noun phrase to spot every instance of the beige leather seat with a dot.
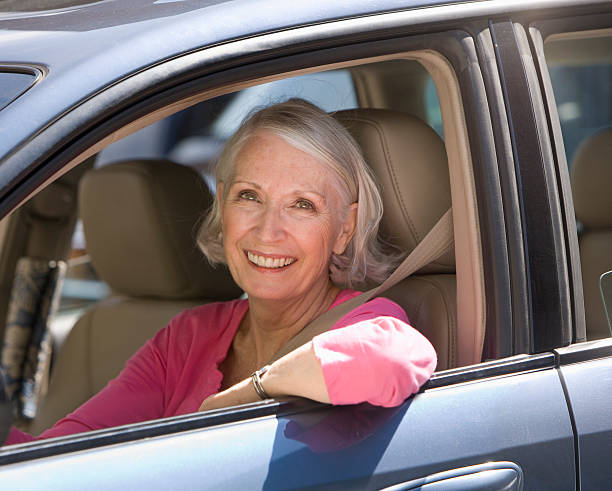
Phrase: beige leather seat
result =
(140, 220)
(591, 176)
(410, 164)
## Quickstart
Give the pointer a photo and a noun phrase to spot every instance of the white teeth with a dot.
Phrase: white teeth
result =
(268, 262)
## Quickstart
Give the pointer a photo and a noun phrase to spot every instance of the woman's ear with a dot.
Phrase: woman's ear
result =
(348, 230)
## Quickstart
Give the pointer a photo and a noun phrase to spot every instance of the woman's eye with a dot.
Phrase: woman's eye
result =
(304, 204)
(248, 195)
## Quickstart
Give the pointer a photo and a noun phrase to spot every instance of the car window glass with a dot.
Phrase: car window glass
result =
(580, 69)
(433, 115)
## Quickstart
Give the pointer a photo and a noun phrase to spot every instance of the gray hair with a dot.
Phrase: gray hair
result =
(311, 130)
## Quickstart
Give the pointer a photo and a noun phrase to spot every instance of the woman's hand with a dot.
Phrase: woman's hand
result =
(297, 373)
(241, 393)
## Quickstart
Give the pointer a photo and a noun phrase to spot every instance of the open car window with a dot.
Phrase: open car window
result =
(184, 138)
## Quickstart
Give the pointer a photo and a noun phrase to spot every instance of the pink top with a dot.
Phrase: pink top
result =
(371, 354)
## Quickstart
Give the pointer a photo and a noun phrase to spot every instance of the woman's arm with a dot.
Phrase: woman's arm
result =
(298, 373)
(135, 395)
(380, 360)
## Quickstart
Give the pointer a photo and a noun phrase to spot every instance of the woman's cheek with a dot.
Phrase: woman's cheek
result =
(237, 218)
(317, 232)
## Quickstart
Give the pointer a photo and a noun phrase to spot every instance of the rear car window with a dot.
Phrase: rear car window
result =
(580, 68)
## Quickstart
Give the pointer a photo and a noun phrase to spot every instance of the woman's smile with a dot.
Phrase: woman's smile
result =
(269, 262)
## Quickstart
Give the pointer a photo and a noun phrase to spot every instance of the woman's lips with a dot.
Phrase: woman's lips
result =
(269, 262)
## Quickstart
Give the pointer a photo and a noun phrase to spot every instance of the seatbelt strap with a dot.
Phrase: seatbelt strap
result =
(439, 240)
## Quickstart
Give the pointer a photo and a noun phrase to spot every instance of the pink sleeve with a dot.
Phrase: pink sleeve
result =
(373, 355)
(137, 394)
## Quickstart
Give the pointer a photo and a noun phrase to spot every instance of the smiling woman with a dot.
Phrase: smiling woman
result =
(296, 220)
(311, 137)
(282, 205)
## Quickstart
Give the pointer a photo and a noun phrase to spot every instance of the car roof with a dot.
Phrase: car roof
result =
(82, 48)
(66, 35)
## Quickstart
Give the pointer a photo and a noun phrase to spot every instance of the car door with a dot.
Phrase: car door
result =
(500, 424)
(573, 53)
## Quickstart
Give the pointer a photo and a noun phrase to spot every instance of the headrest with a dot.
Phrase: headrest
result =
(591, 177)
(409, 161)
(140, 220)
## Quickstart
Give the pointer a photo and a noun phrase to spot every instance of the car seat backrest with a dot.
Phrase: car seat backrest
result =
(140, 220)
(591, 176)
(409, 161)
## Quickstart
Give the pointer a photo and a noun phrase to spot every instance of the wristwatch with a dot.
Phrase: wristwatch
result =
(256, 379)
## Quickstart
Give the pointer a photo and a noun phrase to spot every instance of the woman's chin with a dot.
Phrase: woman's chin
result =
(269, 294)
(275, 292)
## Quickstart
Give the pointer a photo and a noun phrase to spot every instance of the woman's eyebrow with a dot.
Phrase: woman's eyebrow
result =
(294, 192)
(250, 183)
(310, 191)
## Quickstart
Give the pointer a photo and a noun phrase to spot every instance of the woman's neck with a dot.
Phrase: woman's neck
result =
(268, 325)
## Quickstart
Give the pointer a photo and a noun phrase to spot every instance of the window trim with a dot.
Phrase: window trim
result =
(543, 241)
(510, 333)
(587, 351)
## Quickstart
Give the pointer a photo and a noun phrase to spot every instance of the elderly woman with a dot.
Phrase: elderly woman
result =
(296, 221)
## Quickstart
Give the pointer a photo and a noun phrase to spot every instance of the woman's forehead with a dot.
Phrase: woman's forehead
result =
(266, 155)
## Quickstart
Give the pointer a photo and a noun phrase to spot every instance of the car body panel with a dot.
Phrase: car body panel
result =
(345, 447)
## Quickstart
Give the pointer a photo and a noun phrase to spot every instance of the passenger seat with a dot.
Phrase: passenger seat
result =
(591, 175)
(140, 220)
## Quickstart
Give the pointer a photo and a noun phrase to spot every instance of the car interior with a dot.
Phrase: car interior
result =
(139, 215)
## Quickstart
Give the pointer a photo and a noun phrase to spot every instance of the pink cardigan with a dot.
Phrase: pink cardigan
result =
(371, 354)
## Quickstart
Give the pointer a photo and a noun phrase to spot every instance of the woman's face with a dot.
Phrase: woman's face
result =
(283, 217)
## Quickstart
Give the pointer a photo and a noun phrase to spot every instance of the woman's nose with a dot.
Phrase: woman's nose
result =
(270, 226)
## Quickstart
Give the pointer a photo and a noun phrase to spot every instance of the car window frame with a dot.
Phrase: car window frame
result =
(483, 154)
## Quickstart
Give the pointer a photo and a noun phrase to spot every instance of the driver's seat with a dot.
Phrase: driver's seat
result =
(409, 161)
